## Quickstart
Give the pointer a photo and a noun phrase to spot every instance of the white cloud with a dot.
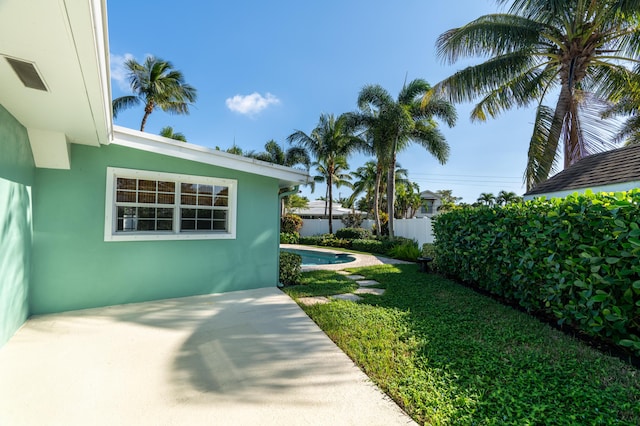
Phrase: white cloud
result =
(251, 104)
(119, 72)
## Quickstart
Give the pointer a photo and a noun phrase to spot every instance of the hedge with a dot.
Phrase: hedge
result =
(577, 258)
(290, 268)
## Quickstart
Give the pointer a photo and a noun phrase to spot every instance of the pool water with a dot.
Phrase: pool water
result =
(312, 258)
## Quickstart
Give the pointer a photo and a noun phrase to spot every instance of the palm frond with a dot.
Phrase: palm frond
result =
(122, 103)
(490, 35)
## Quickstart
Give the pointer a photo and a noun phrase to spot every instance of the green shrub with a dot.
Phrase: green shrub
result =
(289, 238)
(370, 246)
(576, 258)
(408, 250)
(429, 250)
(327, 240)
(352, 220)
(290, 223)
(290, 272)
(354, 233)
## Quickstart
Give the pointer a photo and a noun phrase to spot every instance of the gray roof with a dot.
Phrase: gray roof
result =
(605, 168)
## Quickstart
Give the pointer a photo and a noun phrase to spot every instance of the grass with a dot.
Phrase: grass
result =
(324, 283)
(448, 355)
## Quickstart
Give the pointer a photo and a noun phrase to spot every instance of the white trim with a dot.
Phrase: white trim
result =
(287, 176)
(613, 187)
(110, 207)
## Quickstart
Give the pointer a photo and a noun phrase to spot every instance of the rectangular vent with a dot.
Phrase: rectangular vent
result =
(27, 73)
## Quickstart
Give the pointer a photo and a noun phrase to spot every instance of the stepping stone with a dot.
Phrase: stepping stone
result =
(310, 301)
(366, 283)
(374, 291)
(355, 277)
(348, 296)
(343, 272)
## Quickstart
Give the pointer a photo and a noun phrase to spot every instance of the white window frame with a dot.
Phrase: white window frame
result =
(110, 225)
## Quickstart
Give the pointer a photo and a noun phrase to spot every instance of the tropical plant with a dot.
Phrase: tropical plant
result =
(487, 198)
(507, 197)
(628, 105)
(580, 51)
(156, 85)
(364, 182)
(168, 132)
(408, 199)
(334, 171)
(392, 124)
(274, 153)
(447, 200)
(330, 143)
(295, 201)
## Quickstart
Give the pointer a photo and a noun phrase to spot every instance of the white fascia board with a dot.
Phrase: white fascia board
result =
(160, 145)
(614, 187)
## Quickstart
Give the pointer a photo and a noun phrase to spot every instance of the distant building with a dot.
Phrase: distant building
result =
(319, 210)
(615, 170)
(430, 204)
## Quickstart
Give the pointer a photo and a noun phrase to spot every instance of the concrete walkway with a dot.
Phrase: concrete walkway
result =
(241, 358)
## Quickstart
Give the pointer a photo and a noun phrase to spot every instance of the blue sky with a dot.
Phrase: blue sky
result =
(265, 69)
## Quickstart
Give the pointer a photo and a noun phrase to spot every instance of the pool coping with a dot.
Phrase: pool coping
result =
(360, 259)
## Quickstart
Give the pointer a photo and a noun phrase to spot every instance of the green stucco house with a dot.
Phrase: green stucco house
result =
(94, 215)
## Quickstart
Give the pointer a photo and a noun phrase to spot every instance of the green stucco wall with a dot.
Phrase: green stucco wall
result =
(16, 181)
(74, 268)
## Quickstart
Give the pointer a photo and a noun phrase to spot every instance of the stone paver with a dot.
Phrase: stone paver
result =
(367, 283)
(349, 296)
(343, 272)
(316, 300)
(374, 291)
(355, 277)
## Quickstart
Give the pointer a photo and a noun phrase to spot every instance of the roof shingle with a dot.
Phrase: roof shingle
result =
(605, 168)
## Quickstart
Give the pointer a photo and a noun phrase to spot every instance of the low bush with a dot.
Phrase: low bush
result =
(290, 271)
(371, 246)
(354, 233)
(326, 240)
(290, 223)
(289, 238)
(576, 258)
(408, 250)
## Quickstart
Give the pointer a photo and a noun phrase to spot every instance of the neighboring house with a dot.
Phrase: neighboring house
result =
(94, 215)
(615, 170)
(318, 209)
(430, 204)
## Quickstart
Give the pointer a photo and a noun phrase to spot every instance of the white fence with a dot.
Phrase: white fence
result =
(418, 229)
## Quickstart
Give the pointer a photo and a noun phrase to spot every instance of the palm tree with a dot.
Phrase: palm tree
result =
(330, 143)
(576, 49)
(339, 177)
(394, 124)
(365, 181)
(628, 105)
(507, 197)
(168, 132)
(276, 155)
(487, 199)
(157, 85)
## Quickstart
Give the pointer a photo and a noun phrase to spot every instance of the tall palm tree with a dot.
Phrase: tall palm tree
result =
(157, 85)
(338, 176)
(581, 50)
(168, 132)
(395, 123)
(330, 143)
(365, 182)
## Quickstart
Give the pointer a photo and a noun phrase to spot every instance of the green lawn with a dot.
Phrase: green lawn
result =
(448, 355)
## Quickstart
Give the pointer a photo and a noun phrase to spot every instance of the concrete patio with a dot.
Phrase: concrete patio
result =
(248, 357)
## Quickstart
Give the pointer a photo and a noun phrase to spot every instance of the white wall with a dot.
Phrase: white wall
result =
(418, 229)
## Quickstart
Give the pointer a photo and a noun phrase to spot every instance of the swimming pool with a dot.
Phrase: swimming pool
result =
(312, 257)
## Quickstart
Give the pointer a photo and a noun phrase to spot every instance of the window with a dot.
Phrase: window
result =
(144, 205)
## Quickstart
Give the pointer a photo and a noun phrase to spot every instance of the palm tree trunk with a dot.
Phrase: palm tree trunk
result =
(148, 109)
(391, 189)
(330, 184)
(376, 200)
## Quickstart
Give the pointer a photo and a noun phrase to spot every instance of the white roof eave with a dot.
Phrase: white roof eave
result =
(130, 138)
